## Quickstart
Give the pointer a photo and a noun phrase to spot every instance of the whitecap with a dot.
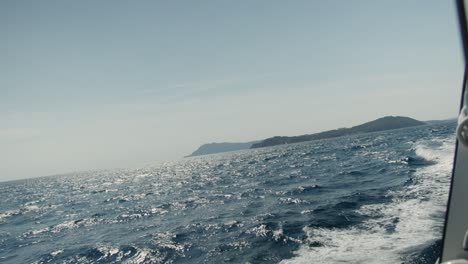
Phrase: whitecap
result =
(413, 219)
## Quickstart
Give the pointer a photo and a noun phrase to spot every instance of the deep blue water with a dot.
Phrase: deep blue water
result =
(373, 198)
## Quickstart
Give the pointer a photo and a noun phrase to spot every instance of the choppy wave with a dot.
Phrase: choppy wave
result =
(374, 198)
(413, 218)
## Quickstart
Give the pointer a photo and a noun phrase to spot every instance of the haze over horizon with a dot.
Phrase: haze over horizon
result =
(94, 85)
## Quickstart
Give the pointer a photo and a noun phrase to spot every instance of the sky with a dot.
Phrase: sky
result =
(121, 84)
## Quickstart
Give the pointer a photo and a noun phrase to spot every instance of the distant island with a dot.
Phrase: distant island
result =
(213, 148)
(381, 124)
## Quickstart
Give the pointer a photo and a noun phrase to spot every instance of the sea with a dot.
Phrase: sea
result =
(368, 198)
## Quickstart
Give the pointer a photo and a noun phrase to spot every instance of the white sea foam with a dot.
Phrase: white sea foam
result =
(414, 218)
(27, 208)
(56, 252)
(8, 213)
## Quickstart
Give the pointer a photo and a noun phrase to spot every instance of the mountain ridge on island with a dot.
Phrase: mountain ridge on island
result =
(380, 124)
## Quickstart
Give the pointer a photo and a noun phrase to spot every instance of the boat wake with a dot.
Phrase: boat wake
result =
(394, 232)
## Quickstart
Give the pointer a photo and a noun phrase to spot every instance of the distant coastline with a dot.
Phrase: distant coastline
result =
(380, 124)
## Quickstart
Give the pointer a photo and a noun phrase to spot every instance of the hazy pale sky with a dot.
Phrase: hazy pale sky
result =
(105, 84)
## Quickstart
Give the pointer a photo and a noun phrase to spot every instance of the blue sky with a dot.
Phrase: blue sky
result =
(104, 84)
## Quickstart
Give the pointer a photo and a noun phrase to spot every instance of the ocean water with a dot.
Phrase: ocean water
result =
(373, 198)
